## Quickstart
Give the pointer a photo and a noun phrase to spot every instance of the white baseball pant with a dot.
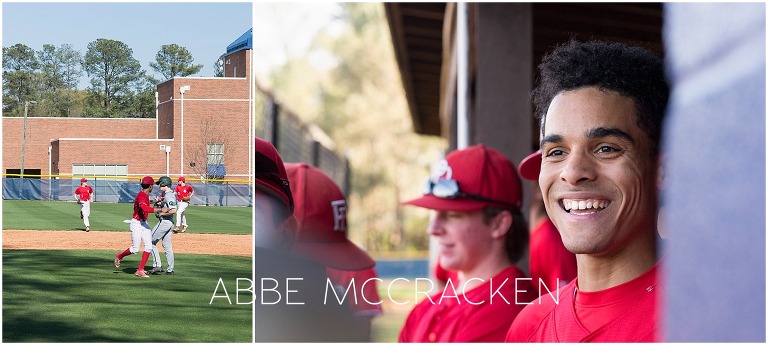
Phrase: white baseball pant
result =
(140, 232)
(85, 209)
(181, 214)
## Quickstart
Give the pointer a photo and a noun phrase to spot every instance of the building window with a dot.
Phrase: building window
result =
(99, 169)
(215, 154)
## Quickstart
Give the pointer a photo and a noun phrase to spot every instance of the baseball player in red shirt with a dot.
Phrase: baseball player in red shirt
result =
(321, 213)
(601, 106)
(84, 196)
(475, 195)
(184, 193)
(140, 231)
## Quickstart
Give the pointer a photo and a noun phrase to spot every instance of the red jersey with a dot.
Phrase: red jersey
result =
(625, 313)
(549, 260)
(142, 207)
(454, 319)
(182, 191)
(84, 192)
(362, 289)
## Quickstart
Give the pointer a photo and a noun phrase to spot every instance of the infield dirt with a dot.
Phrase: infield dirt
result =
(188, 243)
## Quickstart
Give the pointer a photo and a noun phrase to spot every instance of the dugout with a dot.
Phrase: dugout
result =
(716, 255)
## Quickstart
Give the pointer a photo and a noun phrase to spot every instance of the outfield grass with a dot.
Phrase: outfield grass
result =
(79, 296)
(62, 215)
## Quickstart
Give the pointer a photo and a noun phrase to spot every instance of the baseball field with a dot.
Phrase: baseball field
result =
(60, 284)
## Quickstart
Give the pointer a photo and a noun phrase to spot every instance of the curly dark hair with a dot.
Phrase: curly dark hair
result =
(634, 72)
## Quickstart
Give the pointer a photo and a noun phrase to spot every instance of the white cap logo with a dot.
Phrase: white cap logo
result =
(442, 170)
(339, 215)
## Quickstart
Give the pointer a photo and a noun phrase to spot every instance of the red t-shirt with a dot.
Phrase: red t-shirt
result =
(623, 313)
(362, 289)
(455, 319)
(549, 260)
(182, 191)
(84, 192)
(141, 206)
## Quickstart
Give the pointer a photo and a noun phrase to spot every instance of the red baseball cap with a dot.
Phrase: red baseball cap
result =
(83, 180)
(485, 176)
(182, 179)
(270, 173)
(147, 180)
(530, 166)
(321, 213)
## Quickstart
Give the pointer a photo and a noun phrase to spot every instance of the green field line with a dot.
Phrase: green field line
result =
(62, 215)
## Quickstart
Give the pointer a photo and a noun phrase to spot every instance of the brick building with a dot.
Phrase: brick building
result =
(203, 128)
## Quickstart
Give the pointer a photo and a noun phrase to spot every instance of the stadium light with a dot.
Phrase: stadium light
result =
(24, 135)
(167, 149)
(182, 90)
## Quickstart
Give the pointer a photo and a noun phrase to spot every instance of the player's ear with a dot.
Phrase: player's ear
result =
(500, 224)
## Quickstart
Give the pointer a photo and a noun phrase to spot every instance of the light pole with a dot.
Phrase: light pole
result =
(181, 90)
(24, 135)
(167, 149)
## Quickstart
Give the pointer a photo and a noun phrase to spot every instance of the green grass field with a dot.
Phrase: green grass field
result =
(61, 215)
(79, 296)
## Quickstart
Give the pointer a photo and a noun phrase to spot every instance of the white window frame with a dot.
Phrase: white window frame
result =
(215, 153)
(100, 170)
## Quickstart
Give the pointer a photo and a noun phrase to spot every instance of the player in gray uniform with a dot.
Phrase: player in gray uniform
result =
(162, 230)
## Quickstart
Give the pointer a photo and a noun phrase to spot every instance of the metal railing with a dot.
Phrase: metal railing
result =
(295, 141)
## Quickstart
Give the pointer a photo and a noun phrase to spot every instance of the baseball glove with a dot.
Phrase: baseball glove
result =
(185, 199)
(163, 210)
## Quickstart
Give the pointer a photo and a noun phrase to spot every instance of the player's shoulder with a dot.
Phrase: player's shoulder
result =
(528, 321)
(429, 302)
(537, 312)
(170, 199)
(541, 307)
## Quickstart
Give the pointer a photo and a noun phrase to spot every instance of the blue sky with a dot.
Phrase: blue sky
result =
(205, 29)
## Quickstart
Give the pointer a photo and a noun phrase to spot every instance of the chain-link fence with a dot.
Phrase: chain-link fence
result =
(295, 140)
(109, 189)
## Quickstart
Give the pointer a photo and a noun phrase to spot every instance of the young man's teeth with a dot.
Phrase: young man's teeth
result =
(584, 204)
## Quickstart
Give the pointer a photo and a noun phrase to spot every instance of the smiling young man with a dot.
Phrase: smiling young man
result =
(601, 107)
(475, 195)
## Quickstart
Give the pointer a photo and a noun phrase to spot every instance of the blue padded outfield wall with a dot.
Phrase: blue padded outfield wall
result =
(110, 190)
